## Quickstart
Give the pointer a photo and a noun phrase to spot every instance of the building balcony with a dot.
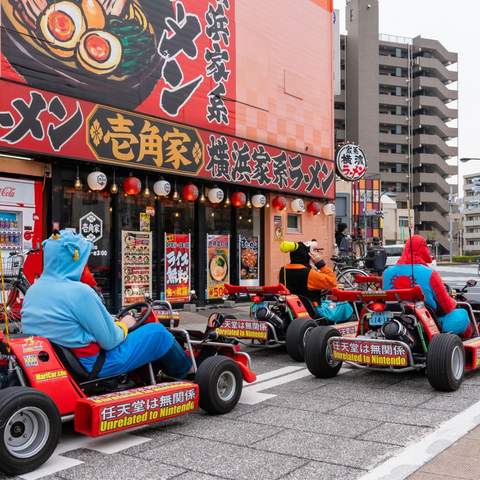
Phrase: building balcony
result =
(392, 100)
(434, 141)
(435, 218)
(471, 235)
(432, 121)
(445, 94)
(390, 61)
(435, 179)
(434, 198)
(393, 138)
(394, 177)
(471, 223)
(436, 48)
(340, 135)
(391, 119)
(432, 159)
(435, 104)
(438, 69)
(339, 114)
(392, 80)
(393, 158)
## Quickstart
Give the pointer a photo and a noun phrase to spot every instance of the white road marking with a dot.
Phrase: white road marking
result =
(107, 445)
(251, 395)
(418, 454)
(274, 373)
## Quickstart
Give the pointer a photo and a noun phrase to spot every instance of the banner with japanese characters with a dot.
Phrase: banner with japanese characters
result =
(218, 265)
(173, 59)
(177, 267)
(249, 260)
(136, 266)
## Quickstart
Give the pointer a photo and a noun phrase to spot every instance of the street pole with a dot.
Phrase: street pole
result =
(450, 222)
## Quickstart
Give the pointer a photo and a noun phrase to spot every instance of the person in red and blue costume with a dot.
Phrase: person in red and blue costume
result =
(63, 307)
(414, 261)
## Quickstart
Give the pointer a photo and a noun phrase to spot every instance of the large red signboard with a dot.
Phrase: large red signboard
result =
(44, 122)
(169, 58)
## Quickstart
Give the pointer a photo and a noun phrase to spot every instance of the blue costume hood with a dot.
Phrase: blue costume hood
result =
(65, 255)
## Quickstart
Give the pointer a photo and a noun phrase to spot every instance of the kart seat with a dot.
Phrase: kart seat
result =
(71, 362)
(308, 304)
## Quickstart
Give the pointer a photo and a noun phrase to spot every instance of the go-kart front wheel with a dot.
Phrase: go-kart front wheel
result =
(296, 337)
(317, 353)
(30, 428)
(445, 362)
(220, 383)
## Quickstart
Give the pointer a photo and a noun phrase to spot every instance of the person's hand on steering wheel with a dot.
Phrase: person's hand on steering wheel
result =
(129, 321)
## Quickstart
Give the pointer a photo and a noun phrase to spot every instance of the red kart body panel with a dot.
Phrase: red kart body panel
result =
(114, 412)
(428, 323)
(297, 307)
(414, 294)
(373, 279)
(472, 353)
(45, 372)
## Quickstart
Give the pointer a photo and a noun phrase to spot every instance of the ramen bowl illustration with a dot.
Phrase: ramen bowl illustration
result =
(98, 49)
(218, 268)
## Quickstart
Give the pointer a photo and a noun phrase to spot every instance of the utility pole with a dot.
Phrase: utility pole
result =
(450, 222)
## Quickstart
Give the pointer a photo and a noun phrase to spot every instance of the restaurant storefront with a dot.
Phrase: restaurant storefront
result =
(183, 165)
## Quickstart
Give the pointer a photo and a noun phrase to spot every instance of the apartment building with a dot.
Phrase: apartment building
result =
(396, 101)
(471, 214)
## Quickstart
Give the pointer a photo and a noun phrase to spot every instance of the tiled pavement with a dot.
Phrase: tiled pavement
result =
(311, 429)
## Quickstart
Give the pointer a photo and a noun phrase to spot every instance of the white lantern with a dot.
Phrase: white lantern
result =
(329, 209)
(215, 195)
(162, 188)
(259, 200)
(97, 181)
(298, 205)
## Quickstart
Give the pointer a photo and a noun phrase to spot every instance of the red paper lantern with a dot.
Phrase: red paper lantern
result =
(190, 192)
(314, 208)
(132, 186)
(238, 199)
(279, 203)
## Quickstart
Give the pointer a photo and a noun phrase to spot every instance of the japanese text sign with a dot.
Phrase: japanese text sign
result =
(218, 264)
(177, 267)
(248, 329)
(369, 353)
(351, 163)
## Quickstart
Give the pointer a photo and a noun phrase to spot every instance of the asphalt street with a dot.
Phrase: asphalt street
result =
(457, 276)
(289, 425)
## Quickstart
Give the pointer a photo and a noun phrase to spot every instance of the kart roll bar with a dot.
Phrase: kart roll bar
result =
(367, 279)
(414, 294)
(266, 290)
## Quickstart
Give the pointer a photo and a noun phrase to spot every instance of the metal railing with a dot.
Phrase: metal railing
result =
(395, 39)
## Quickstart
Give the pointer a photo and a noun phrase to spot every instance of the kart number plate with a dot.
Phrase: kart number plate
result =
(379, 318)
(247, 329)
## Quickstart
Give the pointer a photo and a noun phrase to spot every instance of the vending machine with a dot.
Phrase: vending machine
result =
(20, 216)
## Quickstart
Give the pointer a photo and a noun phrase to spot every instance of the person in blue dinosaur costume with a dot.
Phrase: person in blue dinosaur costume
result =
(58, 306)
(414, 263)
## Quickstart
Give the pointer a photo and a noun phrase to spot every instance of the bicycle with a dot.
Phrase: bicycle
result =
(347, 268)
(15, 285)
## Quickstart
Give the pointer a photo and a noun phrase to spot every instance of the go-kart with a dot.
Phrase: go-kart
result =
(43, 384)
(277, 318)
(397, 332)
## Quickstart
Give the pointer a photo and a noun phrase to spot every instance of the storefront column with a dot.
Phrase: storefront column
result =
(200, 280)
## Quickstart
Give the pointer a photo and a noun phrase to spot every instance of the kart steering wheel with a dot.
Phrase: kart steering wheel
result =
(136, 307)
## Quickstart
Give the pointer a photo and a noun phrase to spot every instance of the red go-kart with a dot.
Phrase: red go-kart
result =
(43, 384)
(277, 318)
(397, 332)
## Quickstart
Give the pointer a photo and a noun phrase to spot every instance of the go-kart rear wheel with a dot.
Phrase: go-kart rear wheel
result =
(30, 428)
(317, 353)
(296, 337)
(220, 383)
(445, 362)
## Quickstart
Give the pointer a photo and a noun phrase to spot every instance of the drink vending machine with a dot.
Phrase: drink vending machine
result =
(20, 216)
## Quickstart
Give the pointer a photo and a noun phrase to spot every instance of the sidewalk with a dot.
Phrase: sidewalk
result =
(458, 462)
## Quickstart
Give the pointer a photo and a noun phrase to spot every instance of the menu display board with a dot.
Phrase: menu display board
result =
(218, 265)
(136, 266)
(249, 259)
(177, 267)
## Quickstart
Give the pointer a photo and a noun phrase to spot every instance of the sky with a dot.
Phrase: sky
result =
(455, 25)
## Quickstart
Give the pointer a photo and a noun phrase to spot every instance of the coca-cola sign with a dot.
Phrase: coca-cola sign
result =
(16, 192)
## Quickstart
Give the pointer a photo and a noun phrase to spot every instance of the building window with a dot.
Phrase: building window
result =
(398, 72)
(398, 109)
(398, 91)
(403, 221)
(398, 129)
(294, 224)
(398, 52)
(398, 148)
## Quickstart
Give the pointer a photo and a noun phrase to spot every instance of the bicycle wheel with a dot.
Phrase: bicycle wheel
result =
(347, 277)
(12, 295)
